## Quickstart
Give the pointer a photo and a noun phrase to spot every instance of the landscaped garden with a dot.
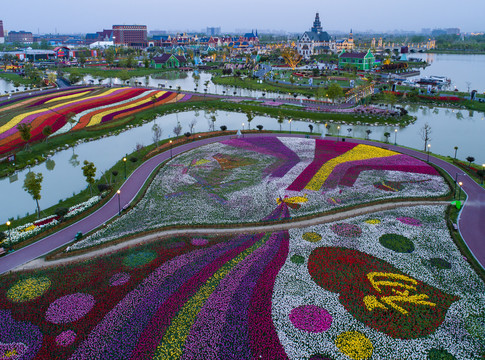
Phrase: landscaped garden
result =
(240, 181)
(73, 110)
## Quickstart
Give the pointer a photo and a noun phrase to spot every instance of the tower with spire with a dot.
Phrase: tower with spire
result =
(317, 25)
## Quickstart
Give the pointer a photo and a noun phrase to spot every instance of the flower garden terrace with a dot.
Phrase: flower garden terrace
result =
(385, 285)
(74, 109)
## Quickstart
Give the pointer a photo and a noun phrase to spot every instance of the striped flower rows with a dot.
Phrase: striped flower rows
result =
(95, 105)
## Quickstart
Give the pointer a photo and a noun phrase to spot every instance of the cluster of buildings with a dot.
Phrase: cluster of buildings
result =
(316, 41)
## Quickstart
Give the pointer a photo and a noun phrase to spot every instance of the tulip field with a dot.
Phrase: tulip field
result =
(74, 109)
(385, 285)
(347, 290)
(240, 181)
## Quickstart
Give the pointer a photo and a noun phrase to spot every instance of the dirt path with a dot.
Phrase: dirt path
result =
(143, 239)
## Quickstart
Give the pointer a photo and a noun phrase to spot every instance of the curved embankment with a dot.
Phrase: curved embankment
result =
(469, 221)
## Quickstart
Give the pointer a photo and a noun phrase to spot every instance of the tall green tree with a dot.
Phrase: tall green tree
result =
(33, 185)
(250, 117)
(75, 76)
(47, 131)
(334, 91)
(89, 172)
(24, 130)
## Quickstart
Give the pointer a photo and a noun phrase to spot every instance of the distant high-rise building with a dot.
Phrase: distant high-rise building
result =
(130, 35)
(2, 36)
(213, 31)
(21, 36)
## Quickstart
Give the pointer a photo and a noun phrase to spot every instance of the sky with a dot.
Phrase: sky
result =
(84, 16)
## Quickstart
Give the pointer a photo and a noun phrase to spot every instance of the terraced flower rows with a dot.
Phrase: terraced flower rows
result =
(87, 106)
(334, 291)
(241, 180)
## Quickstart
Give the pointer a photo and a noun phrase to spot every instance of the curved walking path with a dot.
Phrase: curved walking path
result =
(470, 227)
(323, 219)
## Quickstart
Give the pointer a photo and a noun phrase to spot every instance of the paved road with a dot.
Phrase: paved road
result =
(469, 224)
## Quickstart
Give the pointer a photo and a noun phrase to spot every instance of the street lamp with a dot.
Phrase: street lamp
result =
(124, 160)
(338, 133)
(170, 149)
(459, 193)
(456, 179)
(243, 126)
(429, 145)
(8, 227)
(483, 173)
(119, 201)
(290, 124)
(395, 136)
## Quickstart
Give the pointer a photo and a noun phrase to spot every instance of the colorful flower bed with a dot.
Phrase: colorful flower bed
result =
(257, 296)
(239, 180)
(120, 102)
(25, 231)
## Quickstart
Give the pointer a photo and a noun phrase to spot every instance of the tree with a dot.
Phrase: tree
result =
(291, 57)
(89, 172)
(260, 127)
(192, 124)
(33, 185)
(281, 119)
(52, 77)
(124, 75)
(82, 59)
(250, 117)
(368, 132)
(470, 159)
(311, 128)
(157, 133)
(109, 56)
(177, 129)
(24, 130)
(334, 91)
(425, 133)
(213, 121)
(61, 212)
(47, 131)
(386, 135)
(75, 76)
(456, 149)
(223, 127)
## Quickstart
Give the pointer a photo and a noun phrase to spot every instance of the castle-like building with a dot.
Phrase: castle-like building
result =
(316, 41)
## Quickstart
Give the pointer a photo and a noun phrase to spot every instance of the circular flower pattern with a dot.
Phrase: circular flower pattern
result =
(439, 354)
(119, 279)
(355, 345)
(440, 263)
(311, 318)
(373, 221)
(65, 338)
(28, 289)
(199, 241)
(297, 259)
(409, 221)
(397, 243)
(312, 237)
(69, 308)
(346, 230)
(139, 259)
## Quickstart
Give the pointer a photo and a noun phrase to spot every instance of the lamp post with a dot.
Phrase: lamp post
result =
(483, 173)
(124, 161)
(395, 136)
(243, 126)
(429, 145)
(456, 180)
(8, 227)
(290, 124)
(119, 201)
(170, 149)
(459, 193)
(338, 133)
